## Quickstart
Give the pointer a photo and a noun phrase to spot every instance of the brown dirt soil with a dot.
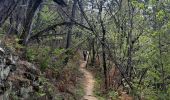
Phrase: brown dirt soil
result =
(88, 82)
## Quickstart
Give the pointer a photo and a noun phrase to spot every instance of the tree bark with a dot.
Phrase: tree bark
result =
(6, 9)
(70, 27)
(129, 42)
(93, 52)
(103, 43)
(31, 9)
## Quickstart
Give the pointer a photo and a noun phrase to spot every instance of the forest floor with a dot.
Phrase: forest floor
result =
(88, 82)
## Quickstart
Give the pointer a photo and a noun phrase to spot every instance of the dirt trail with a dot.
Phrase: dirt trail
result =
(88, 82)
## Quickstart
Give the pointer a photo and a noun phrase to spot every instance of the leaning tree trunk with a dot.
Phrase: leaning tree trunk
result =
(31, 9)
(6, 9)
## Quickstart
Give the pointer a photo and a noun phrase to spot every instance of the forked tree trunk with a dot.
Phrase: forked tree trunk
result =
(31, 9)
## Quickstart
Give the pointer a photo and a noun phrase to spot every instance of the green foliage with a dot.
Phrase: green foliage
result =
(136, 4)
(45, 89)
(39, 54)
(141, 26)
(31, 54)
(48, 57)
(160, 15)
(152, 1)
(150, 51)
(47, 14)
(112, 94)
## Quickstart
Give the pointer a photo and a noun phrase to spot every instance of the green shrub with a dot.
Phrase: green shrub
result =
(45, 56)
(39, 54)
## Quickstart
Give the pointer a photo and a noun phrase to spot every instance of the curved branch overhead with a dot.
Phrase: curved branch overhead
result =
(58, 24)
(60, 2)
(125, 43)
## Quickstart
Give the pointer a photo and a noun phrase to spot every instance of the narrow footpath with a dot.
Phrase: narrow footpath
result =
(88, 82)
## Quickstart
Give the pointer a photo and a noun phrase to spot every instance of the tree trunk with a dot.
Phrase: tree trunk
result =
(93, 52)
(129, 42)
(70, 28)
(103, 43)
(6, 9)
(31, 9)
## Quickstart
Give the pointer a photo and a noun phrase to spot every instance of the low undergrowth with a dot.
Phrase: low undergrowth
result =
(54, 80)
(65, 79)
